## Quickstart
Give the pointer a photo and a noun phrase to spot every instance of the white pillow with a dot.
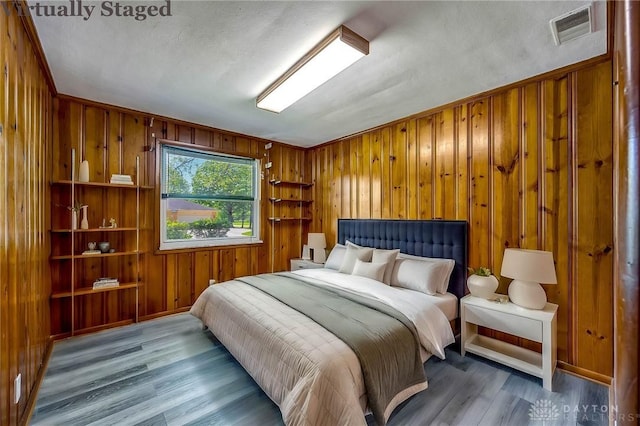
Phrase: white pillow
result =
(446, 267)
(417, 275)
(387, 257)
(354, 252)
(374, 271)
(336, 257)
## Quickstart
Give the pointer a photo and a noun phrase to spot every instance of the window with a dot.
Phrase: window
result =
(208, 199)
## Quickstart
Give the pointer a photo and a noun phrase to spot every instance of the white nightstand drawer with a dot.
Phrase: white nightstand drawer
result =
(520, 326)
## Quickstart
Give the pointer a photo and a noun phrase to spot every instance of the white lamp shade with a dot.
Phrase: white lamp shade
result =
(528, 268)
(529, 265)
(317, 240)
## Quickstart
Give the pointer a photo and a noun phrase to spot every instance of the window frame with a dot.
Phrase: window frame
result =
(165, 147)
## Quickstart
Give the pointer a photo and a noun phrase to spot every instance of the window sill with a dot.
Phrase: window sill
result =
(160, 251)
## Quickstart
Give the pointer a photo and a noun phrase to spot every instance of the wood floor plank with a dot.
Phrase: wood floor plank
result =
(169, 371)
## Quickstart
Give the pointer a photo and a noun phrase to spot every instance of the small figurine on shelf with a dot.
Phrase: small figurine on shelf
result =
(92, 249)
(113, 223)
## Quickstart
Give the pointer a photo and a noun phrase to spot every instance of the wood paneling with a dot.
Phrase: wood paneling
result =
(25, 147)
(110, 139)
(626, 190)
(529, 167)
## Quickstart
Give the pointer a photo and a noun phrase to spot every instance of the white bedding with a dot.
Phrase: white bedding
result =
(313, 376)
(431, 323)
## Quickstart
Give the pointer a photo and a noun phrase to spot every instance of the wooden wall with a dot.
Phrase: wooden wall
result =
(529, 167)
(110, 136)
(25, 120)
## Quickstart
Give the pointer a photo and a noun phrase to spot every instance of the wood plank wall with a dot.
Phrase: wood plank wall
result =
(25, 135)
(529, 167)
(111, 138)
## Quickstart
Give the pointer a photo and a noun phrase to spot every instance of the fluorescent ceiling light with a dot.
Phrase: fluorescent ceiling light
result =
(333, 54)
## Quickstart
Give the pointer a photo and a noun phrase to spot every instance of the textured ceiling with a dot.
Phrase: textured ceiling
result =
(208, 62)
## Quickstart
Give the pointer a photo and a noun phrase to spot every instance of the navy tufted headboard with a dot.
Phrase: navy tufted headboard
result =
(429, 238)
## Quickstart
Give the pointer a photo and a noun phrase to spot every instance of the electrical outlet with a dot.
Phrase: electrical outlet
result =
(17, 388)
(212, 281)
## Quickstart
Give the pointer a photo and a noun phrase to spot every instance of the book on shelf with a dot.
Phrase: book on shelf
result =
(90, 252)
(121, 179)
(106, 283)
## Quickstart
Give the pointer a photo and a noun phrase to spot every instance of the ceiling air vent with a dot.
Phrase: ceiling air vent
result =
(571, 25)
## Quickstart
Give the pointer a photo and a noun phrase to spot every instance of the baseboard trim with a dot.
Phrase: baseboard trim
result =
(585, 374)
(164, 313)
(33, 396)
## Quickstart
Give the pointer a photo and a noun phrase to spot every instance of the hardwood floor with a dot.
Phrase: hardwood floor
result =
(170, 372)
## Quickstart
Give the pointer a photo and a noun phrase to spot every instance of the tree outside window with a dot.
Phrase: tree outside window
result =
(207, 199)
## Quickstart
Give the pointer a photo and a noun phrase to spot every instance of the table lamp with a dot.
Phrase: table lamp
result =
(528, 268)
(317, 243)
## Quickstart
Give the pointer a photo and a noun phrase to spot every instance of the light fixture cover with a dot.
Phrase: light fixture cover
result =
(529, 265)
(335, 53)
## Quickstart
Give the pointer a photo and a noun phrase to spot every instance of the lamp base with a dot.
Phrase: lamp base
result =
(319, 255)
(527, 294)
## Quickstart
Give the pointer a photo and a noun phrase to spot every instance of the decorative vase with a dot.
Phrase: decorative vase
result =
(483, 287)
(83, 173)
(74, 219)
(84, 224)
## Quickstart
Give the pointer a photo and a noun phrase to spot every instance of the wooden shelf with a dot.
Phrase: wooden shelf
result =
(505, 353)
(289, 182)
(72, 275)
(86, 256)
(289, 200)
(283, 219)
(89, 290)
(100, 184)
(94, 230)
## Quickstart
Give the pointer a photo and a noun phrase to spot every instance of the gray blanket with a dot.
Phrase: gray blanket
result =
(384, 340)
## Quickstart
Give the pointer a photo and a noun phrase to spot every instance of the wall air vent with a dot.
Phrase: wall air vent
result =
(572, 25)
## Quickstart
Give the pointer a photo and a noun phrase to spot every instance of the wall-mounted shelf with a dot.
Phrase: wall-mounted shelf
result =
(87, 256)
(68, 231)
(289, 182)
(289, 200)
(284, 219)
(100, 184)
(90, 290)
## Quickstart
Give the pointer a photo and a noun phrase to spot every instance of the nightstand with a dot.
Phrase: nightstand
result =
(536, 325)
(305, 264)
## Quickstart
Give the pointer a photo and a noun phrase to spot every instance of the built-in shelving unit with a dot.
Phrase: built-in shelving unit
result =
(79, 306)
(290, 198)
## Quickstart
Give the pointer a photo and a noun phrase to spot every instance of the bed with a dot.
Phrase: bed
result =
(308, 371)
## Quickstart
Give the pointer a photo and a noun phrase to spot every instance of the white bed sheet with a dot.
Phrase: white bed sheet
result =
(431, 323)
(448, 304)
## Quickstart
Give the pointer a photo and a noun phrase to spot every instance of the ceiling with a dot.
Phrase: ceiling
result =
(209, 60)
